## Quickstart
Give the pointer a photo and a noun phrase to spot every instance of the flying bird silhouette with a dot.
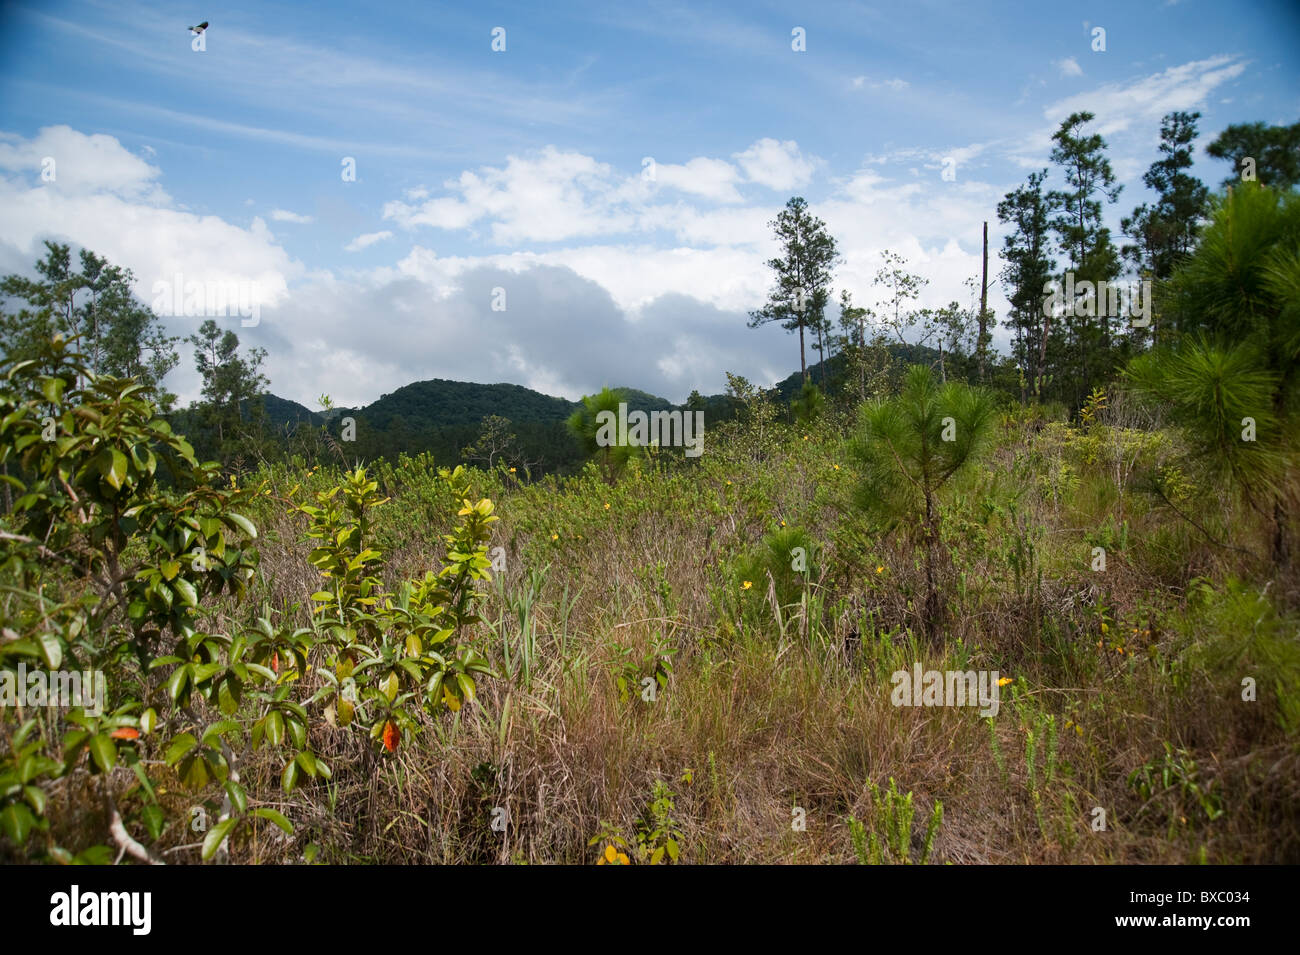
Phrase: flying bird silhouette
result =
(200, 28)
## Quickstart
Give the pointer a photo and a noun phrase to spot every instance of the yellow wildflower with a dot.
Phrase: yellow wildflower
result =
(880, 569)
(555, 537)
(747, 584)
(1005, 680)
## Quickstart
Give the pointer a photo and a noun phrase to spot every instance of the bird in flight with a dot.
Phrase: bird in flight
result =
(200, 28)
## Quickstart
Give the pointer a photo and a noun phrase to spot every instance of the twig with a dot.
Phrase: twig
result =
(121, 836)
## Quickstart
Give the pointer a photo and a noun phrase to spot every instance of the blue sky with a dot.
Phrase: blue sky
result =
(522, 170)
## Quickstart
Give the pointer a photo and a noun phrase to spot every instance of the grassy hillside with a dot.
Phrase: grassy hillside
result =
(768, 700)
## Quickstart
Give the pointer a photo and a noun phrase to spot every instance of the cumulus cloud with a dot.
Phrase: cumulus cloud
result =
(104, 198)
(71, 163)
(557, 196)
(610, 278)
(777, 165)
(281, 215)
(1069, 67)
(709, 178)
(549, 197)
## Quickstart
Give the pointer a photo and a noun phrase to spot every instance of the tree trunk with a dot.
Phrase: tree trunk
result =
(1042, 358)
(931, 594)
(803, 365)
(984, 302)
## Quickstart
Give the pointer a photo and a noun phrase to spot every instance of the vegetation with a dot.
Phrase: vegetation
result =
(657, 659)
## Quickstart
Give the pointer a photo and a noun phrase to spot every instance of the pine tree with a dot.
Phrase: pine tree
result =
(802, 274)
(1086, 243)
(1166, 231)
(1027, 252)
(1274, 149)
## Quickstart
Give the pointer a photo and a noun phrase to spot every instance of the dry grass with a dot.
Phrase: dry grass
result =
(758, 717)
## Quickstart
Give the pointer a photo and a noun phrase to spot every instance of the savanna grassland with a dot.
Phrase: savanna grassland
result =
(772, 688)
(774, 692)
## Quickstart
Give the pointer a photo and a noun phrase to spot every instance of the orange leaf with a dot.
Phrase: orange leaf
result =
(125, 732)
(390, 736)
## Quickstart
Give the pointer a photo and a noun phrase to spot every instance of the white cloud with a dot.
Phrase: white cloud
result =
(104, 199)
(1069, 67)
(896, 84)
(549, 197)
(1119, 105)
(367, 240)
(777, 165)
(555, 196)
(281, 215)
(708, 178)
(671, 314)
(81, 165)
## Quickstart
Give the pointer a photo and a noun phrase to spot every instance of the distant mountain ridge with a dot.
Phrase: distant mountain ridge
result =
(441, 402)
(450, 412)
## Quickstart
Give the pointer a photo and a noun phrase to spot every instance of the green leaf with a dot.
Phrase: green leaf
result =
(113, 465)
(189, 597)
(243, 523)
(175, 684)
(52, 389)
(466, 683)
(276, 818)
(193, 772)
(345, 711)
(216, 836)
(218, 730)
(290, 776)
(16, 820)
(238, 798)
(307, 762)
(51, 650)
(275, 727)
(103, 752)
(179, 747)
(35, 797)
(153, 820)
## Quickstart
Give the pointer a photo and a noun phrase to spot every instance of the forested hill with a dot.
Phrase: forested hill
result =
(446, 417)
(440, 402)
